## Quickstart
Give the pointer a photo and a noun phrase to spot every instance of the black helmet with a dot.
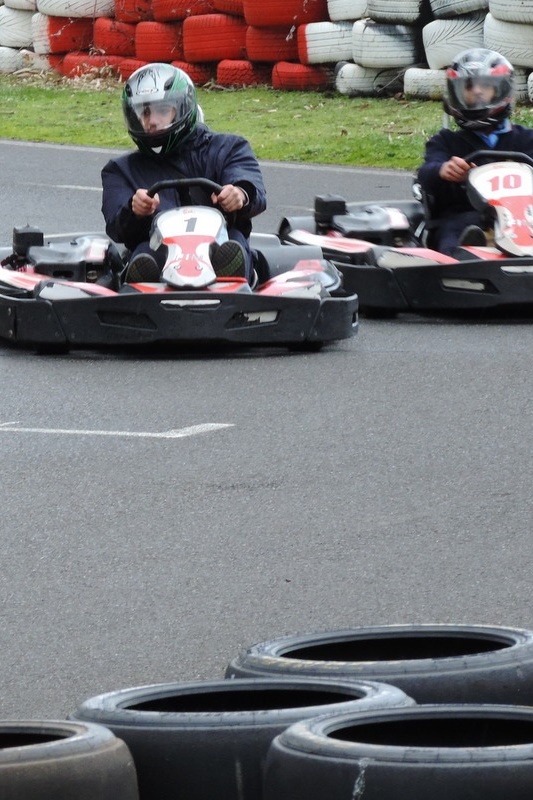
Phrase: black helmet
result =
(165, 90)
(481, 69)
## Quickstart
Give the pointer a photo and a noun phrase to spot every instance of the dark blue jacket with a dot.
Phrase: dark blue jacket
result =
(221, 157)
(450, 198)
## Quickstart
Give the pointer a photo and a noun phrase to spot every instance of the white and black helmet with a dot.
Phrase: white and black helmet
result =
(160, 85)
(483, 68)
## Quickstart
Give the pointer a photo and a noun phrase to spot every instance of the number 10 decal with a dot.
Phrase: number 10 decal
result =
(507, 181)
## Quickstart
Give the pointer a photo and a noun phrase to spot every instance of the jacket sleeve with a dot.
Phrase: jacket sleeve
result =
(237, 164)
(121, 223)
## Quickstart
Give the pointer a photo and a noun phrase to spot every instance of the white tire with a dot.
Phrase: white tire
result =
(341, 10)
(530, 87)
(24, 5)
(512, 10)
(521, 92)
(511, 39)
(77, 8)
(444, 38)
(15, 27)
(403, 12)
(354, 80)
(447, 9)
(377, 45)
(10, 59)
(34, 61)
(426, 84)
(324, 42)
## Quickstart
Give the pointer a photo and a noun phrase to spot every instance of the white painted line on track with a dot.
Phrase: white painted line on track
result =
(180, 433)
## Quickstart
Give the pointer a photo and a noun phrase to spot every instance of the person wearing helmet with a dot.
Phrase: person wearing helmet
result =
(479, 97)
(164, 120)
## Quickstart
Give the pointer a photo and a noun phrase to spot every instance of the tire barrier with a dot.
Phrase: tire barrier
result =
(437, 752)
(300, 77)
(512, 39)
(169, 10)
(214, 37)
(242, 73)
(113, 37)
(382, 46)
(77, 8)
(15, 27)
(510, 11)
(60, 34)
(271, 44)
(51, 760)
(284, 12)
(426, 84)
(431, 663)
(356, 81)
(210, 739)
(399, 12)
(229, 7)
(159, 41)
(444, 38)
(11, 59)
(133, 10)
(324, 42)
(350, 10)
(456, 8)
(200, 74)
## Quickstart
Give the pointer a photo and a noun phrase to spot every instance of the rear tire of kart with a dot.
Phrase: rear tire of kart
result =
(50, 760)
(431, 663)
(214, 37)
(378, 45)
(444, 38)
(437, 752)
(211, 738)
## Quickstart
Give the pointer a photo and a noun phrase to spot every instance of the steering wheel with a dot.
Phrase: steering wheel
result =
(499, 155)
(184, 183)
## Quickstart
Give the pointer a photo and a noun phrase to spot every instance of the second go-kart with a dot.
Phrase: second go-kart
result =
(385, 255)
(68, 291)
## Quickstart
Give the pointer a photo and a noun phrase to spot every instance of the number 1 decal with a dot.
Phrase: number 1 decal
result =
(191, 224)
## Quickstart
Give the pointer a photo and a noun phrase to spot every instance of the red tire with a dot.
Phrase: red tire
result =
(243, 73)
(60, 34)
(284, 12)
(127, 67)
(76, 63)
(198, 73)
(301, 77)
(133, 10)
(229, 7)
(271, 44)
(111, 36)
(168, 10)
(213, 37)
(159, 41)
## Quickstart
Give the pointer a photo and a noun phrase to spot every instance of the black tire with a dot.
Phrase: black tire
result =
(67, 760)
(438, 752)
(431, 663)
(210, 739)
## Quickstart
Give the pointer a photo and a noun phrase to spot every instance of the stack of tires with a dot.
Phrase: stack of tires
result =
(385, 712)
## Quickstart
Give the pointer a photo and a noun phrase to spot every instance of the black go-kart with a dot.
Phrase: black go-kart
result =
(385, 255)
(65, 292)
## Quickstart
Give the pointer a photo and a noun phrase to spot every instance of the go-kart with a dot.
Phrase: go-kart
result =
(384, 251)
(68, 291)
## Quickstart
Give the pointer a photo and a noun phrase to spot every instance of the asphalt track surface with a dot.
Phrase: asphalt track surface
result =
(384, 480)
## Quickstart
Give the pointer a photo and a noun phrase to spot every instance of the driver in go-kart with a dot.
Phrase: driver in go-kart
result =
(479, 96)
(163, 119)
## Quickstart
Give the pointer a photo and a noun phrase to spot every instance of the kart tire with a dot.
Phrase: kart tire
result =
(354, 80)
(113, 36)
(347, 10)
(15, 27)
(50, 760)
(301, 77)
(60, 35)
(511, 39)
(159, 41)
(229, 7)
(448, 9)
(444, 38)
(399, 12)
(284, 12)
(210, 739)
(433, 751)
(198, 73)
(378, 45)
(11, 59)
(170, 10)
(133, 10)
(77, 8)
(271, 44)
(243, 73)
(510, 11)
(425, 84)
(431, 663)
(324, 42)
(214, 37)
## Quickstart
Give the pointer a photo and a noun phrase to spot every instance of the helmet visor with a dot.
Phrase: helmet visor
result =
(155, 116)
(480, 93)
